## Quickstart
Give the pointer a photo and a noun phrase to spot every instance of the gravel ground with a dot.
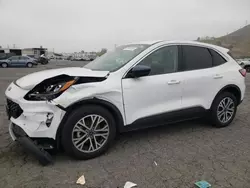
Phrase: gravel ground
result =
(170, 156)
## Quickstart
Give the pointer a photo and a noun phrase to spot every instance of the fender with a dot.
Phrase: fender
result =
(109, 106)
(233, 88)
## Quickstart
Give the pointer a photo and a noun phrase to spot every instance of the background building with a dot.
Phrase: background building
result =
(34, 52)
(11, 50)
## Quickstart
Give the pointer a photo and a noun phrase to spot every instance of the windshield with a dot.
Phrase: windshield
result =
(114, 60)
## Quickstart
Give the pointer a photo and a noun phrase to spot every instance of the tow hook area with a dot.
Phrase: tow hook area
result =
(31, 146)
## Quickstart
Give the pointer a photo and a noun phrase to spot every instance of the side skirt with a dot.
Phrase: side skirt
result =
(166, 118)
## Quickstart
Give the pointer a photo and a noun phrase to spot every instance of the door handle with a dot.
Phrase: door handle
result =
(218, 76)
(172, 82)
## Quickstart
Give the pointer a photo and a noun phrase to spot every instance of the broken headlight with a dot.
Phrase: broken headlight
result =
(51, 88)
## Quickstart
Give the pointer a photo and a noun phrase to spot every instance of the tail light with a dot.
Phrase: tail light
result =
(243, 72)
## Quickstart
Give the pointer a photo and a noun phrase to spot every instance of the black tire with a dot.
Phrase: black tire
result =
(214, 117)
(4, 65)
(30, 65)
(74, 117)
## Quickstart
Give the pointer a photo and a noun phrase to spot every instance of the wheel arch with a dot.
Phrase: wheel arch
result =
(235, 90)
(94, 101)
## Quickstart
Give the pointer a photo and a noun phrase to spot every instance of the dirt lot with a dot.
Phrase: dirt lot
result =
(184, 153)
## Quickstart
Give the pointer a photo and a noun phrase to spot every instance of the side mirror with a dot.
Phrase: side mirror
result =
(139, 71)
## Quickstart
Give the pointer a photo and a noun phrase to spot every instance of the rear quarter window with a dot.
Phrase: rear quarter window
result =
(217, 58)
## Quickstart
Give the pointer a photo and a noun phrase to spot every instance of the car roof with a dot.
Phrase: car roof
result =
(182, 42)
(151, 42)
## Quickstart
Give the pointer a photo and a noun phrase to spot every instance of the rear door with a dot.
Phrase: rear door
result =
(201, 79)
(22, 61)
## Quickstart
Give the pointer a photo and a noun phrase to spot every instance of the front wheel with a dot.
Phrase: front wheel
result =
(88, 132)
(29, 65)
(223, 109)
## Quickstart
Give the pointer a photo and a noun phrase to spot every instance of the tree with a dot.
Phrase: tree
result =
(198, 39)
(103, 51)
(218, 43)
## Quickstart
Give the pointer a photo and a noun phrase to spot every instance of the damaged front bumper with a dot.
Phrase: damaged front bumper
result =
(33, 124)
(18, 134)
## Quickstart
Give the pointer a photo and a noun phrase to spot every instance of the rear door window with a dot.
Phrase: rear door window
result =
(24, 58)
(194, 58)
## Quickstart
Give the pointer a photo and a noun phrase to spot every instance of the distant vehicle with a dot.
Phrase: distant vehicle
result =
(6, 55)
(86, 58)
(245, 63)
(43, 60)
(18, 61)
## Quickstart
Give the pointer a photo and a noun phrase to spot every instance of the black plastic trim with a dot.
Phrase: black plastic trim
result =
(228, 87)
(166, 118)
(43, 157)
(29, 145)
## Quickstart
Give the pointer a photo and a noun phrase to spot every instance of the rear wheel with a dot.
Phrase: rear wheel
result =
(4, 65)
(88, 132)
(29, 65)
(224, 109)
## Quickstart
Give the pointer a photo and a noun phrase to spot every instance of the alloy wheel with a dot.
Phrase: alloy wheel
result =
(90, 133)
(225, 110)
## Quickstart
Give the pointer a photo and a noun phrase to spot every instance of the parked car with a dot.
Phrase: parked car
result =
(18, 61)
(135, 86)
(245, 63)
(43, 60)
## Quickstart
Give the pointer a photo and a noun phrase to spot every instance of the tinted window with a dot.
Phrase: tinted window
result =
(24, 58)
(195, 58)
(162, 61)
(217, 58)
(14, 58)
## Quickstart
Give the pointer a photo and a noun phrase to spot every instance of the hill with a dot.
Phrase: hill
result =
(238, 42)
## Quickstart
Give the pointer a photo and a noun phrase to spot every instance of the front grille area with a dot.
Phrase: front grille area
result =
(14, 110)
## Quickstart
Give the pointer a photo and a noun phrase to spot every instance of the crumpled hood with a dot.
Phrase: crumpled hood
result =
(31, 80)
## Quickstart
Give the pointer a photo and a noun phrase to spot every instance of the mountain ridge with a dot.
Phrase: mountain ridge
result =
(238, 42)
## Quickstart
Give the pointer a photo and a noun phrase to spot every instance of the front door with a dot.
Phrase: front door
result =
(14, 60)
(157, 93)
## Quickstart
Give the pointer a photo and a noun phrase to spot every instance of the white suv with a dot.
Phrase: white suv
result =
(138, 85)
